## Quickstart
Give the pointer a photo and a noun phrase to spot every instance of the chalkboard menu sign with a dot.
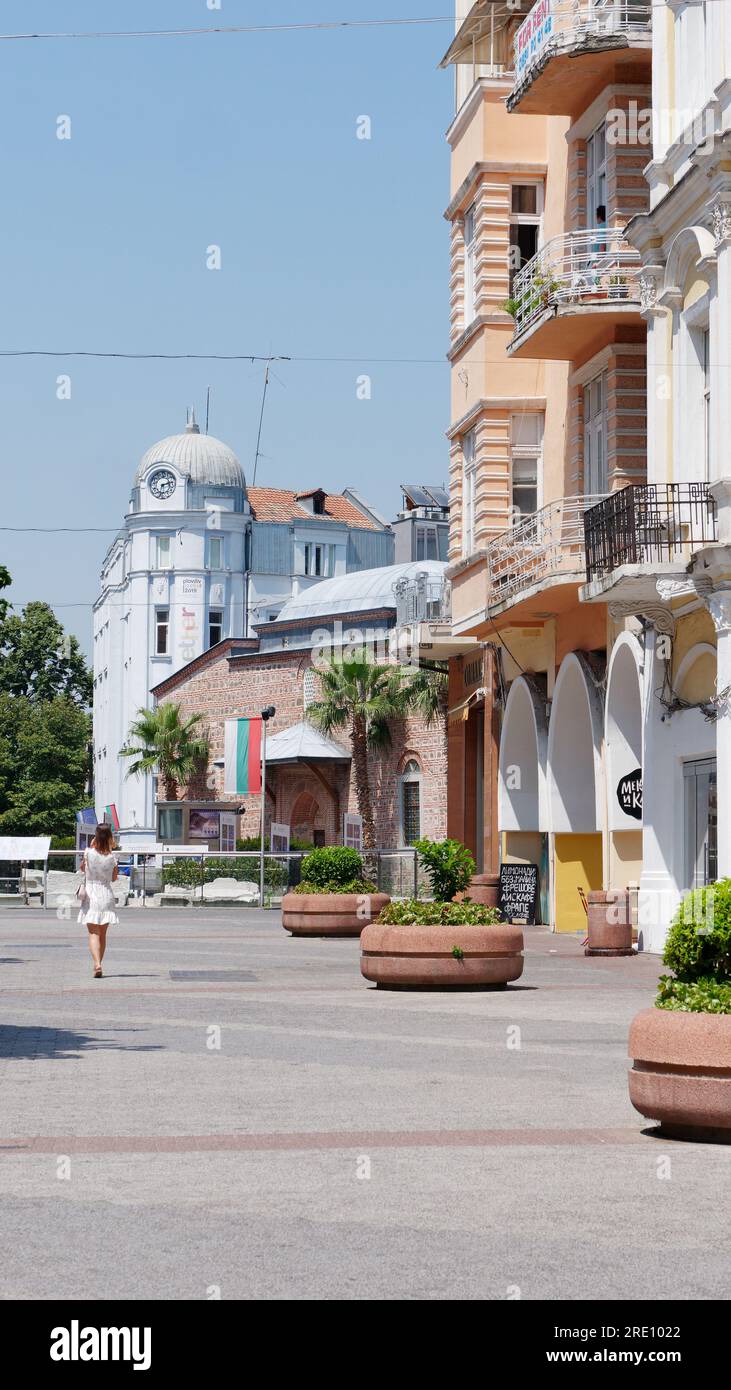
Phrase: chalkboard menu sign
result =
(518, 900)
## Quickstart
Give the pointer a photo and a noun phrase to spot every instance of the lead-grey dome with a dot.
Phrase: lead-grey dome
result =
(200, 457)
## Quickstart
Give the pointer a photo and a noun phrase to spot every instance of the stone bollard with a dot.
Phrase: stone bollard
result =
(485, 889)
(610, 924)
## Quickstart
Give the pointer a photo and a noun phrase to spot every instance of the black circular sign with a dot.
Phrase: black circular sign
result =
(629, 794)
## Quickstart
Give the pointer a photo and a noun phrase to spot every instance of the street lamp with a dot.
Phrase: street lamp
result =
(266, 714)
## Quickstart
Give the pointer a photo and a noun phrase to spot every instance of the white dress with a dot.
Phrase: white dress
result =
(100, 907)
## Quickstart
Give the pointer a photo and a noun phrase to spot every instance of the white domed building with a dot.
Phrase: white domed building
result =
(200, 559)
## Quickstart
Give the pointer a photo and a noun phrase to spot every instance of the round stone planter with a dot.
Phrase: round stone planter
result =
(330, 914)
(400, 957)
(681, 1072)
(609, 924)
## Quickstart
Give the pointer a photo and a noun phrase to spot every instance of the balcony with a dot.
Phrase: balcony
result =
(568, 299)
(546, 549)
(424, 620)
(652, 526)
(568, 51)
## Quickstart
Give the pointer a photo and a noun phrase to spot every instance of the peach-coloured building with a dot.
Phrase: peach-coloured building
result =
(548, 417)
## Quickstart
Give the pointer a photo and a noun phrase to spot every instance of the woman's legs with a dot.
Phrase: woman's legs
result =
(97, 942)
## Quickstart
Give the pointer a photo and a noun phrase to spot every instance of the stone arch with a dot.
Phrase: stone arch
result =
(305, 817)
(522, 763)
(695, 678)
(575, 786)
(691, 245)
(623, 725)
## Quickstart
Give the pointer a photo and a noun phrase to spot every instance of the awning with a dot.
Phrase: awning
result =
(485, 17)
(24, 847)
(303, 743)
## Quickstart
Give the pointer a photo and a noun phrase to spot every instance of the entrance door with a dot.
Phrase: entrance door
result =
(701, 820)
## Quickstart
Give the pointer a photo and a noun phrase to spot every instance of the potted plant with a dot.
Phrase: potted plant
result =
(681, 1048)
(334, 898)
(440, 943)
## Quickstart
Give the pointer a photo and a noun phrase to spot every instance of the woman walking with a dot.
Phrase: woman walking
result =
(99, 867)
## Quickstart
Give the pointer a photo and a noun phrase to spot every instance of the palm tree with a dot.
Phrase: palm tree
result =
(426, 694)
(361, 697)
(167, 744)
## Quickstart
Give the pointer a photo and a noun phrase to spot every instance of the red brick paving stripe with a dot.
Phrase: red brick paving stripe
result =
(347, 1139)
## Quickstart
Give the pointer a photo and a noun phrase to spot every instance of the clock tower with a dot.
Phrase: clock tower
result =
(173, 584)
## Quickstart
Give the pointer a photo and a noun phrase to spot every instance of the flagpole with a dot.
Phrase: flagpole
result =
(266, 715)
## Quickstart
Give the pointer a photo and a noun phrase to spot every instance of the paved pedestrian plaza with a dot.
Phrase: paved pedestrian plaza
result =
(232, 1113)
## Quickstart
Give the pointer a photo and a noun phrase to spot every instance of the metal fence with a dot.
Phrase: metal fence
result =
(594, 266)
(648, 523)
(194, 878)
(545, 545)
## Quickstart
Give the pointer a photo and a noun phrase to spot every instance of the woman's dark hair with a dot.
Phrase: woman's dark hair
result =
(103, 838)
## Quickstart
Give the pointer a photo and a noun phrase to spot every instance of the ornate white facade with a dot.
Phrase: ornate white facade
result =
(198, 559)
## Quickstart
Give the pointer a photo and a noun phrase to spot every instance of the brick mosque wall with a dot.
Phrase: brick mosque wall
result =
(300, 796)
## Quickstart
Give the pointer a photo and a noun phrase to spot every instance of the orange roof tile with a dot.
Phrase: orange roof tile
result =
(280, 504)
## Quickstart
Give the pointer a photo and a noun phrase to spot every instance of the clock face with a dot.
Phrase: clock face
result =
(162, 484)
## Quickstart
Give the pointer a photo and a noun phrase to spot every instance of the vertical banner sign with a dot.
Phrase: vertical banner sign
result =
(533, 37)
(242, 756)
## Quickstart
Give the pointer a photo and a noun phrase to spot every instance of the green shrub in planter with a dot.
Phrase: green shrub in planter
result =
(333, 869)
(698, 951)
(449, 866)
(414, 912)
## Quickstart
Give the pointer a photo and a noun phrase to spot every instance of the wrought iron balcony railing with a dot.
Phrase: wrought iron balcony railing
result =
(597, 266)
(648, 523)
(423, 599)
(565, 26)
(546, 545)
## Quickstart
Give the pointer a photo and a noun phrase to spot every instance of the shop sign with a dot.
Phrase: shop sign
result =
(629, 794)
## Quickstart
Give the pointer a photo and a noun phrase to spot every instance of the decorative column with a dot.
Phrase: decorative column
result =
(719, 605)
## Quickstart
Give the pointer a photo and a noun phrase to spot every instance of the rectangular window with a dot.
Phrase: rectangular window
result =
(169, 825)
(596, 178)
(215, 626)
(470, 264)
(706, 351)
(469, 468)
(426, 543)
(215, 552)
(411, 811)
(526, 445)
(319, 560)
(595, 437)
(162, 631)
(163, 556)
(525, 224)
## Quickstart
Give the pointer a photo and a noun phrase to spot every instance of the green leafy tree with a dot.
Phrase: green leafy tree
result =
(38, 659)
(5, 580)
(363, 698)
(43, 764)
(161, 741)
(449, 864)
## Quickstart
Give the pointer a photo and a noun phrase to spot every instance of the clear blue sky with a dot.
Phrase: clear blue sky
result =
(330, 246)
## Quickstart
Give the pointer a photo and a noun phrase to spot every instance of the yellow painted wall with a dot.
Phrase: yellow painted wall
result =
(625, 857)
(577, 863)
(693, 628)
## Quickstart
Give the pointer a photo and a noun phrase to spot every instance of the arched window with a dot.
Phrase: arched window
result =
(410, 802)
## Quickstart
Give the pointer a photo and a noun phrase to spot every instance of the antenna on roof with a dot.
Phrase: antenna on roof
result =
(261, 422)
(208, 406)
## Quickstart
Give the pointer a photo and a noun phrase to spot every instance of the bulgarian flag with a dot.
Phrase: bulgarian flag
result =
(242, 756)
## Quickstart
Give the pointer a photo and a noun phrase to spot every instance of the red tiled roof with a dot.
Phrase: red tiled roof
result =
(280, 504)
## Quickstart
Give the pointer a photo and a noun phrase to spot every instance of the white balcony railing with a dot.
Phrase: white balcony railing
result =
(423, 599)
(563, 26)
(543, 546)
(596, 266)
